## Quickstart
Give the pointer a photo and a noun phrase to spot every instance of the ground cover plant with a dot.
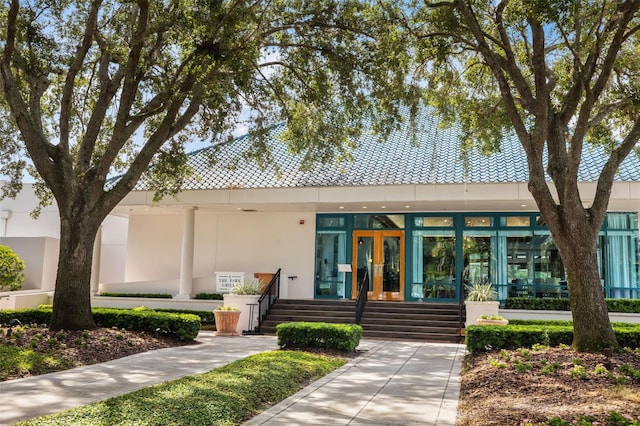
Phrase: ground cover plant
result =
(31, 350)
(550, 386)
(228, 395)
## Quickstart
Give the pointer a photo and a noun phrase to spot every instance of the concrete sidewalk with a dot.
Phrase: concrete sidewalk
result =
(391, 383)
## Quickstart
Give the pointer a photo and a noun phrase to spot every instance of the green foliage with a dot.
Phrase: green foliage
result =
(344, 337)
(247, 287)
(147, 295)
(555, 304)
(206, 317)
(228, 395)
(11, 267)
(183, 326)
(209, 296)
(480, 292)
(15, 359)
(526, 334)
(226, 308)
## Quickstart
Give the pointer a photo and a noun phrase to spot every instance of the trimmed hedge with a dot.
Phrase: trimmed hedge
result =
(300, 335)
(629, 306)
(524, 334)
(183, 326)
(147, 295)
(209, 296)
(206, 317)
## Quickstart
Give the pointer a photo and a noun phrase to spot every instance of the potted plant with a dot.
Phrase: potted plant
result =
(226, 320)
(492, 320)
(244, 296)
(481, 299)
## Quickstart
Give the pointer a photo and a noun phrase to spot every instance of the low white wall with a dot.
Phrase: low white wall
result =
(154, 303)
(562, 315)
(24, 299)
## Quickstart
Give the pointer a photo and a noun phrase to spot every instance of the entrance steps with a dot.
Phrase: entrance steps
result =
(433, 322)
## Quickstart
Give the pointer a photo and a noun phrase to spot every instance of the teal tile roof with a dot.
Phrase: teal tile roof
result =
(435, 159)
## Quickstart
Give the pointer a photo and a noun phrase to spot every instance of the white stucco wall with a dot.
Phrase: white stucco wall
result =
(37, 240)
(239, 242)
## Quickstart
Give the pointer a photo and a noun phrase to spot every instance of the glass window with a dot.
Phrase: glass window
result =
(622, 221)
(477, 251)
(520, 265)
(478, 221)
(524, 221)
(330, 251)
(434, 221)
(434, 263)
(330, 222)
(548, 270)
(379, 221)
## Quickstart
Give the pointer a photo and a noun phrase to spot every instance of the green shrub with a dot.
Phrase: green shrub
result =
(629, 306)
(147, 295)
(11, 267)
(524, 334)
(344, 337)
(183, 326)
(209, 296)
(206, 317)
(539, 303)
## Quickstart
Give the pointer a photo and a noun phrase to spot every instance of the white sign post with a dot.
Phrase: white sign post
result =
(344, 268)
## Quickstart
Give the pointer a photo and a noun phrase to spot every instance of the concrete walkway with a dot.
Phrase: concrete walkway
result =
(390, 383)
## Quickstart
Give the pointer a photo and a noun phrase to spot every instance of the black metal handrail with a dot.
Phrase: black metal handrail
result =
(361, 300)
(270, 294)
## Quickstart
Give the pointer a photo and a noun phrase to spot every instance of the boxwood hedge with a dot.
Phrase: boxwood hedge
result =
(181, 325)
(344, 337)
(524, 334)
(630, 306)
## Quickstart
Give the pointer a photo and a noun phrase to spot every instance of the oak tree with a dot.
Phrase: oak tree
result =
(561, 75)
(105, 87)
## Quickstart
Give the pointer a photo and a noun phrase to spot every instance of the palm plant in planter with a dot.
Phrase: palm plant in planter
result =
(481, 299)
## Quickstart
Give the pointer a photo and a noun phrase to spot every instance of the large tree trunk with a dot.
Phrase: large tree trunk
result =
(576, 241)
(72, 299)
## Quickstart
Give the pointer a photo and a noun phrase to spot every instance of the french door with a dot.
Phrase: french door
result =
(378, 264)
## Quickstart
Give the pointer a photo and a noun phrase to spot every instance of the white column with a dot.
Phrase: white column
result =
(95, 262)
(186, 264)
(4, 218)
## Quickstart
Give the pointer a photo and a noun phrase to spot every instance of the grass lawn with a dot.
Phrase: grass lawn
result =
(228, 395)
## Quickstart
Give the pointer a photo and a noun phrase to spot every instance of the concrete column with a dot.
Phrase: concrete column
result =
(4, 218)
(95, 262)
(186, 264)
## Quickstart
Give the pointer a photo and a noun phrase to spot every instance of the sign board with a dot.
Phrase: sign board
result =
(226, 280)
(344, 267)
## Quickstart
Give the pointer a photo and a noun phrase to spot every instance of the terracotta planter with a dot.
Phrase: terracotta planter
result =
(226, 322)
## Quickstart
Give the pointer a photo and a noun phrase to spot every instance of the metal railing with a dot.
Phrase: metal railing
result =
(269, 296)
(361, 300)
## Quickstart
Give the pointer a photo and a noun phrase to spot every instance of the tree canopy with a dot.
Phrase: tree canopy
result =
(560, 75)
(107, 87)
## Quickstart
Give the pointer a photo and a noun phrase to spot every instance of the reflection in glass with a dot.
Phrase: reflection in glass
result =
(330, 251)
(478, 221)
(365, 262)
(391, 260)
(379, 221)
(477, 256)
(434, 266)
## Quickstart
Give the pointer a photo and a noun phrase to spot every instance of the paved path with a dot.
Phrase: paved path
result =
(391, 383)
